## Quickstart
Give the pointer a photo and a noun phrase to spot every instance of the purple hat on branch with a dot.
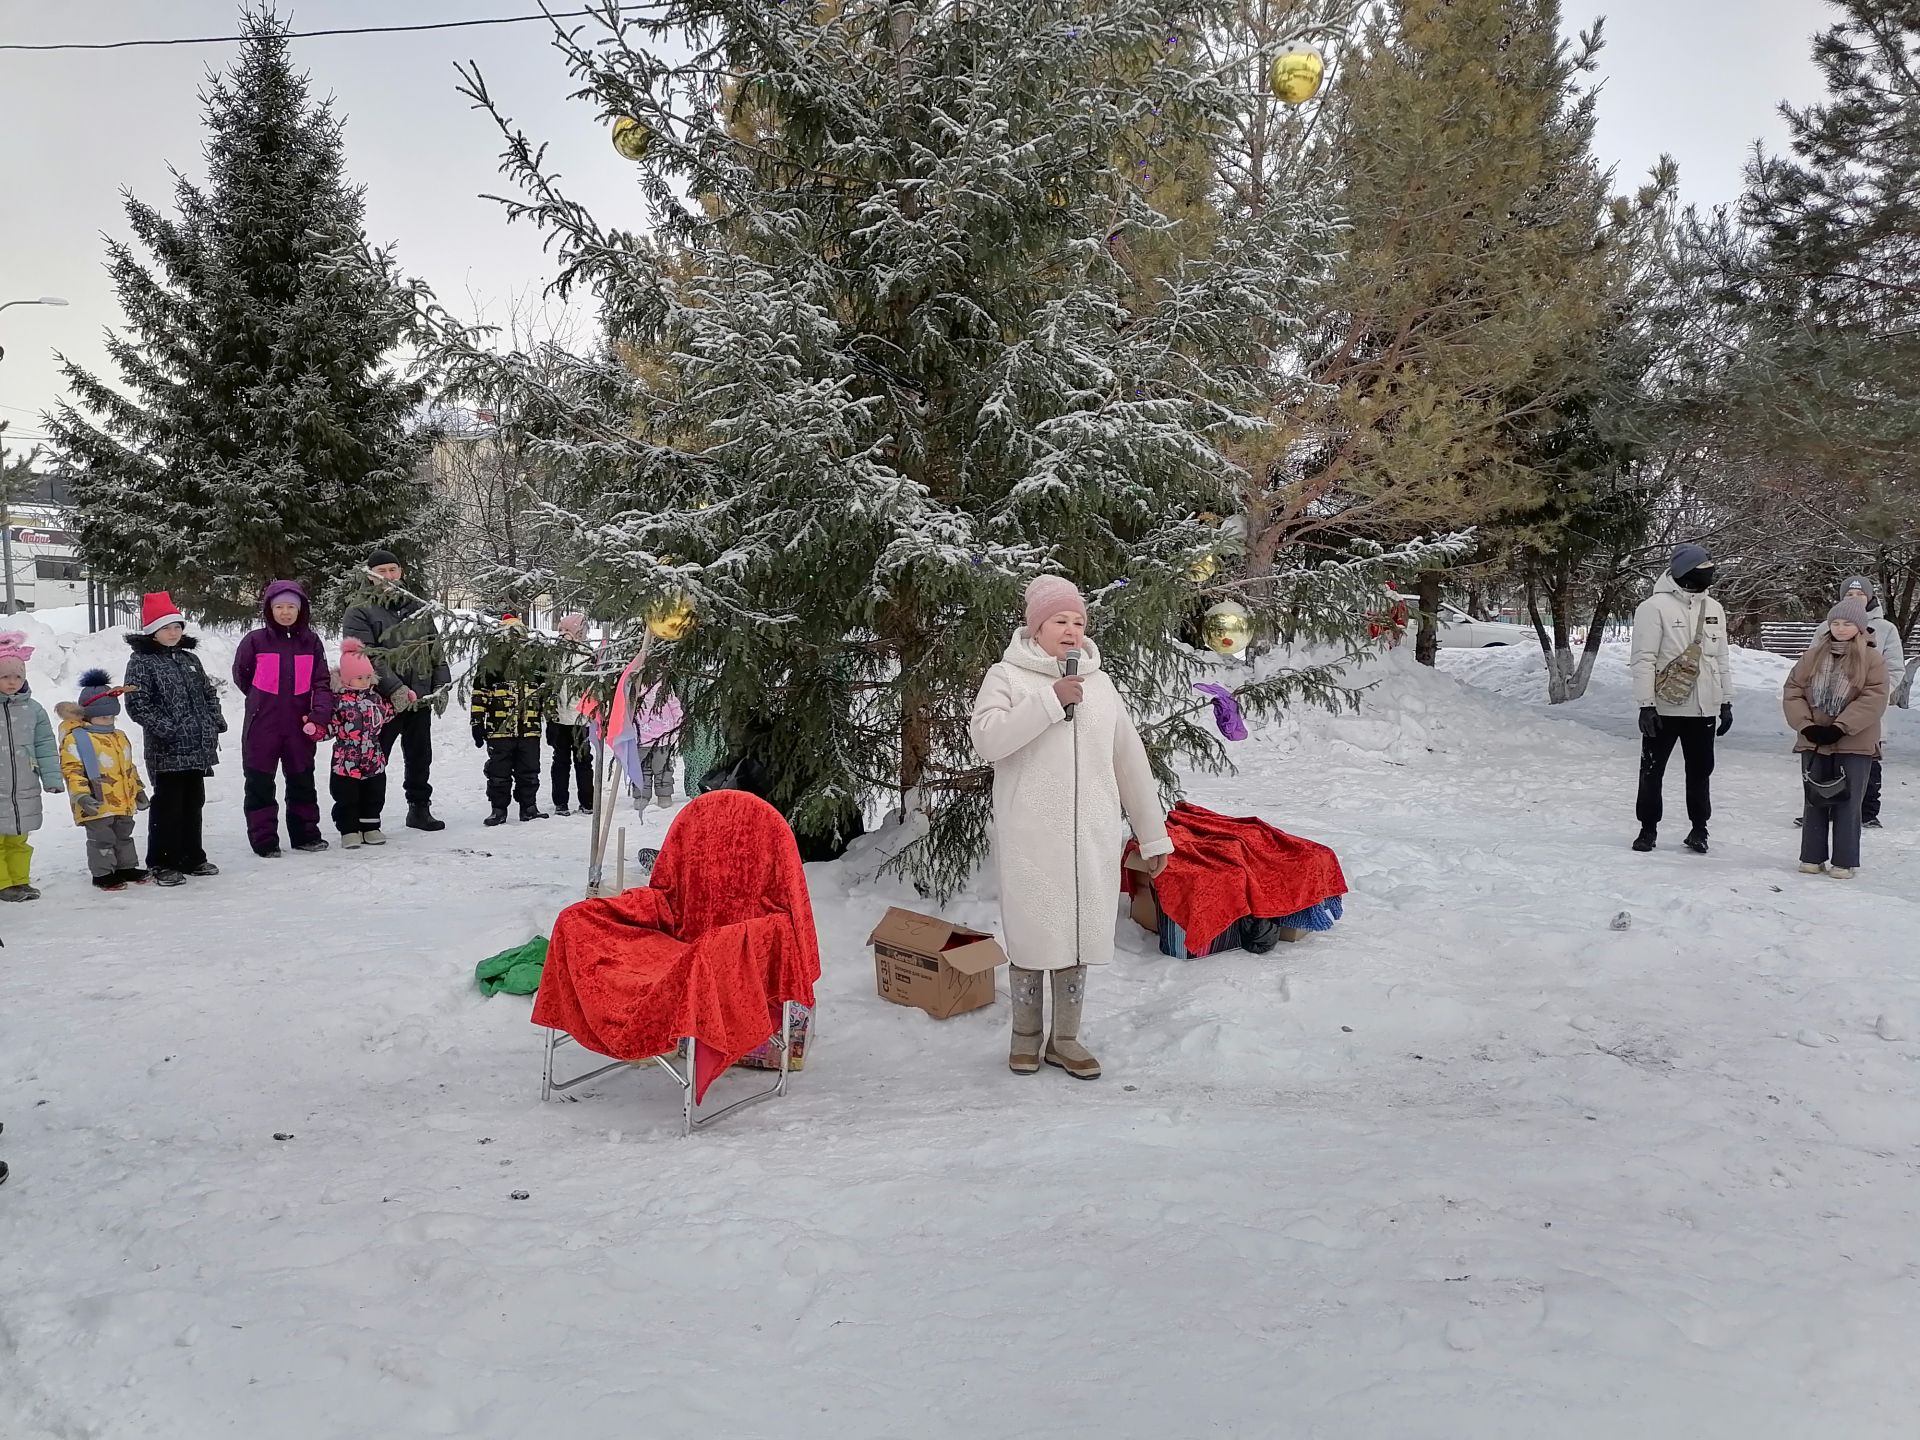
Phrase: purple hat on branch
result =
(1226, 711)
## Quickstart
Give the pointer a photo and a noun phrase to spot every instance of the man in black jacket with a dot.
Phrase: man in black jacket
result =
(410, 669)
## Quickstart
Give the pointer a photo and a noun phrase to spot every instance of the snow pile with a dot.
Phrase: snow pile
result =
(1481, 1162)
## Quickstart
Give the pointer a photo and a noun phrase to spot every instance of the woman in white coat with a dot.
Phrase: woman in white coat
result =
(1067, 762)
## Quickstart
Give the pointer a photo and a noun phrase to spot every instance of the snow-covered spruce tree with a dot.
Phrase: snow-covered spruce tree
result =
(255, 431)
(897, 354)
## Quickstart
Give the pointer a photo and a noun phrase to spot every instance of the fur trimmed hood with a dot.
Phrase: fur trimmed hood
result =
(147, 645)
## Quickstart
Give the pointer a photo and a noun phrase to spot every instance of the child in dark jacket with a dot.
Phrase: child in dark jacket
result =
(509, 706)
(282, 670)
(173, 702)
(359, 780)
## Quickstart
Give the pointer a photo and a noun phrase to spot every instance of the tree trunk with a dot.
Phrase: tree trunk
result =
(1427, 647)
(1596, 633)
(1556, 674)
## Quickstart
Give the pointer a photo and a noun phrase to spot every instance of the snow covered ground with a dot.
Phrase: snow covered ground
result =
(1475, 1165)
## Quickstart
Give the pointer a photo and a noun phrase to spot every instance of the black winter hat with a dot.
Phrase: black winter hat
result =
(382, 557)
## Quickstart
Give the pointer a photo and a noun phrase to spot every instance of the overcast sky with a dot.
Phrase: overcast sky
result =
(1698, 79)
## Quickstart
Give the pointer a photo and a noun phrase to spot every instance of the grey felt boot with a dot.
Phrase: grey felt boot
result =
(1064, 1048)
(1024, 1057)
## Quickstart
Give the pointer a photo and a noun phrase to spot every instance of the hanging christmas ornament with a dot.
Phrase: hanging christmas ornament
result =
(631, 138)
(671, 619)
(1297, 73)
(1203, 569)
(1227, 628)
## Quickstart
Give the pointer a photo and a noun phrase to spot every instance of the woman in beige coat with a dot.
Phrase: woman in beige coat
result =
(1834, 699)
(1067, 763)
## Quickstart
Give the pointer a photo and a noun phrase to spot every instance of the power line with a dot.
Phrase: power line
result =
(321, 34)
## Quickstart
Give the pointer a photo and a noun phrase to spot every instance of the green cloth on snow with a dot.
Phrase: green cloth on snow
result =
(516, 971)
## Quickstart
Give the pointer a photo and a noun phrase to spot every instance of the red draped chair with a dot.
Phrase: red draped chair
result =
(695, 969)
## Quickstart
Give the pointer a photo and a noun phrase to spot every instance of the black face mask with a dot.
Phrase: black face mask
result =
(1696, 579)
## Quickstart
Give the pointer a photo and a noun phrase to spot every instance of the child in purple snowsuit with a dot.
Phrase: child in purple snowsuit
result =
(282, 670)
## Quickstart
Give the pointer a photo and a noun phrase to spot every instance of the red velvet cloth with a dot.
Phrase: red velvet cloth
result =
(1224, 868)
(718, 941)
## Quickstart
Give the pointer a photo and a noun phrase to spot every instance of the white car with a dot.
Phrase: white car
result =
(1460, 631)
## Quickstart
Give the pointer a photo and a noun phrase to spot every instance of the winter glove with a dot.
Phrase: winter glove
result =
(313, 731)
(440, 703)
(1824, 734)
(1649, 721)
(142, 800)
(87, 806)
(479, 737)
(404, 699)
(1726, 718)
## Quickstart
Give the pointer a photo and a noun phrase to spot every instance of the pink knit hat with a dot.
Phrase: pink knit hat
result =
(1051, 595)
(354, 664)
(14, 650)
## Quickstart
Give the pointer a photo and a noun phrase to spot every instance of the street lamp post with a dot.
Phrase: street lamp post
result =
(43, 300)
(6, 499)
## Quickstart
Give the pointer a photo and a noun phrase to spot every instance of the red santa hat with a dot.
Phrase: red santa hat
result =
(157, 611)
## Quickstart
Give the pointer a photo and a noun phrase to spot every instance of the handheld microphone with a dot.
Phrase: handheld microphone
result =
(1072, 657)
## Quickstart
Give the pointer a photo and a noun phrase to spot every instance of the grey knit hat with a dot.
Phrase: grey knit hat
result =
(1851, 611)
(1860, 583)
(1688, 557)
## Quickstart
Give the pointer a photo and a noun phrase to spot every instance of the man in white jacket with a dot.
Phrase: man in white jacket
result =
(1676, 709)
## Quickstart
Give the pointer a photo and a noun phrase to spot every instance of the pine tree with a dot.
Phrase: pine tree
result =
(1458, 152)
(1819, 289)
(256, 430)
(920, 335)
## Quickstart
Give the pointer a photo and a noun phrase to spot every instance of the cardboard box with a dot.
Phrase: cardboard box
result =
(1145, 908)
(933, 964)
(799, 1031)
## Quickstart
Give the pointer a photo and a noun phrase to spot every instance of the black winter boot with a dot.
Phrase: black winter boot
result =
(532, 812)
(1643, 841)
(498, 817)
(1696, 841)
(420, 817)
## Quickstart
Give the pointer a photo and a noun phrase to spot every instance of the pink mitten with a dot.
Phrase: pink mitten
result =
(313, 731)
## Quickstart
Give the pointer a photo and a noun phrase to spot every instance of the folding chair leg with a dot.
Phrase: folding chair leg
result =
(690, 1117)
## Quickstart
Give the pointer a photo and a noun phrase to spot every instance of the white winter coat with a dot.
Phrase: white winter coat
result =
(1663, 626)
(1059, 790)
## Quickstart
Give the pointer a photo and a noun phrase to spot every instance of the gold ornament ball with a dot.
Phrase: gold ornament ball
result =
(631, 138)
(1297, 73)
(671, 619)
(1228, 628)
(1203, 569)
